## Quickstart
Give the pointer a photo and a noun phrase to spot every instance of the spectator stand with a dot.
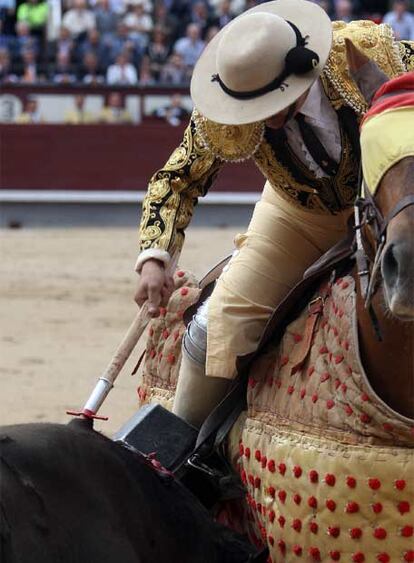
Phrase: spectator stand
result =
(55, 100)
(116, 63)
(75, 174)
(158, 41)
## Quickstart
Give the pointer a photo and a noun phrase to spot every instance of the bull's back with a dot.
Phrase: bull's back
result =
(58, 490)
(70, 495)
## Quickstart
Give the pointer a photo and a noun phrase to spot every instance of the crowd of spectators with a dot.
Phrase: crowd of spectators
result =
(113, 112)
(136, 42)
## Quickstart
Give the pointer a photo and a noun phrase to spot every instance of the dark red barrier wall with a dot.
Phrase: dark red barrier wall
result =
(98, 157)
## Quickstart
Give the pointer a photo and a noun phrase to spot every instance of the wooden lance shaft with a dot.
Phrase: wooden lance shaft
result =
(107, 379)
(124, 350)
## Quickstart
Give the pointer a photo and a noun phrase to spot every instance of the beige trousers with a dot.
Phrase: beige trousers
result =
(282, 241)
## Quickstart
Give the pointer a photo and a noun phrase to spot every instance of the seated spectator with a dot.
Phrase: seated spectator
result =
(78, 115)
(212, 32)
(7, 15)
(94, 44)
(375, 7)
(122, 72)
(325, 5)
(146, 77)
(401, 21)
(175, 72)
(63, 44)
(24, 40)
(157, 52)
(138, 23)
(118, 7)
(91, 73)
(63, 72)
(6, 39)
(162, 18)
(251, 4)
(30, 114)
(236, 6)
(79, 20)
(224, 13)
(6, 74)
(106, 19)
(34, 13)
(29, 69)
(181, 11)
(122, 42)
(114, 112)
(175, 113)
(147, 5)
(343, 11)
(191, 46)
(201, 16)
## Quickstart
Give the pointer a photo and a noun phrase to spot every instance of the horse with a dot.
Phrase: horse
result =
(325, 447)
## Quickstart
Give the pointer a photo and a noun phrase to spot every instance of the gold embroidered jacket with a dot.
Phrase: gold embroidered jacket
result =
(191, 169)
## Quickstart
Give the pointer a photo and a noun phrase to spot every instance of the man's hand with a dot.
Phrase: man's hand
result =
(154, 285)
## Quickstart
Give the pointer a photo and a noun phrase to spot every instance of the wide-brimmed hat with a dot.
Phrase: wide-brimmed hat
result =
(262, 61)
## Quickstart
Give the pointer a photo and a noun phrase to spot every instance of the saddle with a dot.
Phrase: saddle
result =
(197, 457)
(338, 257)
(221, 419)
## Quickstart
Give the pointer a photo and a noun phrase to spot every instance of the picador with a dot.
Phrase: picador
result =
(274, 86)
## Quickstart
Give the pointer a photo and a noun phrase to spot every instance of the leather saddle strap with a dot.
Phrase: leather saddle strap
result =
(221, 419)
(315, 311)
(337, 257)
(206, 285)
(214, 273)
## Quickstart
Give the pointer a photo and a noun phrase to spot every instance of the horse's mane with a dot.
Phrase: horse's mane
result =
(395, 93)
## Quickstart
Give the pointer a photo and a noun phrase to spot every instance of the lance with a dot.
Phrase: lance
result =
(107, 379)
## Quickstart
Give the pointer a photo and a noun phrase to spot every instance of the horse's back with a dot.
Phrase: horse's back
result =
(317, 448)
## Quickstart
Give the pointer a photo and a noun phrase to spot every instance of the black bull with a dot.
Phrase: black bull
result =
(70, 495)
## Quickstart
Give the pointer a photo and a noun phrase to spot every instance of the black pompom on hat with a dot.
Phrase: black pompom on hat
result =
(301, 60)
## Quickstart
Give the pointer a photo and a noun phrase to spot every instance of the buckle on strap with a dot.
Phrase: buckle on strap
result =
(195, 462)
(316, 305)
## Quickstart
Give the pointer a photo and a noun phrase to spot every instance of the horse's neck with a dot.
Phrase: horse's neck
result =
(389, 364)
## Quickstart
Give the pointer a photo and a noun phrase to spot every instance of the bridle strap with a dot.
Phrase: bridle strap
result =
(406, 201)
(372, 215)
(360, 255)
(367, 212)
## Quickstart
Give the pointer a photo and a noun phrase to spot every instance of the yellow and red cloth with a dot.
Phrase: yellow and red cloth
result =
(387, 131)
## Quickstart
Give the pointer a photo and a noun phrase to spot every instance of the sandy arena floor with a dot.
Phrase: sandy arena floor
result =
(66, 301)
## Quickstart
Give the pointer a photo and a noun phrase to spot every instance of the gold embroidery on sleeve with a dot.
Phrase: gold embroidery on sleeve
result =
(173, 191)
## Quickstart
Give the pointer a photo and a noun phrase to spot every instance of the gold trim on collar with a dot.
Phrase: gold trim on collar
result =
(231, 143)
(375, 41)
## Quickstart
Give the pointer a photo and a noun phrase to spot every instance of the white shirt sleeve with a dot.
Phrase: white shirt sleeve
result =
(154, 253)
